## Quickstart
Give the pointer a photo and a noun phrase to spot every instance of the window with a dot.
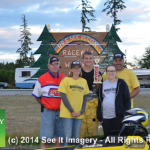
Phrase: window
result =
(25, 73)
(140, 78)
(147, 78)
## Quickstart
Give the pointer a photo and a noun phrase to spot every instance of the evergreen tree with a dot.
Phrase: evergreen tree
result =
(125, 59)
(113, 6)
(45, 49)
(19, 63)
(87, 10)
(25, 41)
(111, 48)
(31, 59)
(144, 61)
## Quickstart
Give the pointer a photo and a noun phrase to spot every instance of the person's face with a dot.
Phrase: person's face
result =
(111, 72)
(76, 70)
(88, 60)
(118, 62)
(53, 68)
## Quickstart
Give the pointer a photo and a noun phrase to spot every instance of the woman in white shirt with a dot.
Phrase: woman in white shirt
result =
(114, 100)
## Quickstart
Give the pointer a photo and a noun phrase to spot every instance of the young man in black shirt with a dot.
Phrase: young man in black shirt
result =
(89, 122)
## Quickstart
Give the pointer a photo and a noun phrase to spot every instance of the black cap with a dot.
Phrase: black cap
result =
(53, 59)
(75, 63)
(118, 55)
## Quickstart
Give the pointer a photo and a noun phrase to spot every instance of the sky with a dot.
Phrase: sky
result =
(63, 16)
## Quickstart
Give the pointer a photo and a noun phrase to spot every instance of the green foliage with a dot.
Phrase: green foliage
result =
(7, 76)
(87, 10)
(7, 66)
(112, 7)
(21, 62)
(125, 59)
(25, 40)
(144, 61)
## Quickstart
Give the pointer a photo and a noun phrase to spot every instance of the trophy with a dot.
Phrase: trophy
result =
(97, 79)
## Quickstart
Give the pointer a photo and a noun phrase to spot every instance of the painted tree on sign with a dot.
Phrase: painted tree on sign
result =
(45, 49)
(112, 47)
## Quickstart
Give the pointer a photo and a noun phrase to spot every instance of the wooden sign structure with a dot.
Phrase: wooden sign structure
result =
(70, 46)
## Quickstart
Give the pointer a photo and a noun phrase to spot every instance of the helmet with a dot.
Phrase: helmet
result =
(136, 116)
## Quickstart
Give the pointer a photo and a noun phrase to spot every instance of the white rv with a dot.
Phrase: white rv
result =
(22, 77)
(143, 76)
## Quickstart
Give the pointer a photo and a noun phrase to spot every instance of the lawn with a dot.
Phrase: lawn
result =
(23, 116)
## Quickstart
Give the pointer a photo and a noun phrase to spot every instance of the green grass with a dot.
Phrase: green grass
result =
(23, 117)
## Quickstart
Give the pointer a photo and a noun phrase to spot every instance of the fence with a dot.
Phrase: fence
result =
(143, 91)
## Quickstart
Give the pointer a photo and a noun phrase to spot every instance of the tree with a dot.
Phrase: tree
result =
(19, 63)
(125, 58)
(144, 61)
(86, 10)
(25, 41)
(112, 47)
(45, 49)
(113, 6)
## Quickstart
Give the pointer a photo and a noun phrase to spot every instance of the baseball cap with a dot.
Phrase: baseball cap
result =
(75, 63)
(53, 59)
(118, 55)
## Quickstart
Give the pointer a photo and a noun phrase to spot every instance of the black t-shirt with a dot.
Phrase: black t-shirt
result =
(88, 76)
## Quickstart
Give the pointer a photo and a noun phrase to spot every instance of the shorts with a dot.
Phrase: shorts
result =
(51, 125)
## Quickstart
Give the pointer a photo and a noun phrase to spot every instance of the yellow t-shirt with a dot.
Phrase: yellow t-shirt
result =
(129, 77)
(74, 90)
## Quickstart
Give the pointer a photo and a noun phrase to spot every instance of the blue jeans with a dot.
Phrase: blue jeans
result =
(71, 129)
(51, 125)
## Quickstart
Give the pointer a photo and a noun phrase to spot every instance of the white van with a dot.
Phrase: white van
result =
(22, 77)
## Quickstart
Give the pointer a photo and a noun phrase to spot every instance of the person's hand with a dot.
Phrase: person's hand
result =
(78, 114)
(99, 77)
(99, 123)
(73, 114)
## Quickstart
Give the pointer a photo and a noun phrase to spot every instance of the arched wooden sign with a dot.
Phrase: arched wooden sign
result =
(78, 38)
(70, 46)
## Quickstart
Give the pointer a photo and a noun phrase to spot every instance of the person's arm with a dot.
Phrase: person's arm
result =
(83, 105)
(99, 113)
(100, 78)
(66, 102)
(134, 84)
(135, 92)
(37, 92)
(38, 100)
(97, 87)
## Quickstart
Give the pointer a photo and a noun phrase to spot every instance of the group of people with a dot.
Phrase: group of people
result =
(69, 110)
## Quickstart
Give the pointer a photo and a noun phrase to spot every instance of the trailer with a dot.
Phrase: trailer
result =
(143, 77)
(23, 77)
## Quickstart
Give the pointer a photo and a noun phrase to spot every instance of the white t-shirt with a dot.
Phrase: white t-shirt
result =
(109, 95)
